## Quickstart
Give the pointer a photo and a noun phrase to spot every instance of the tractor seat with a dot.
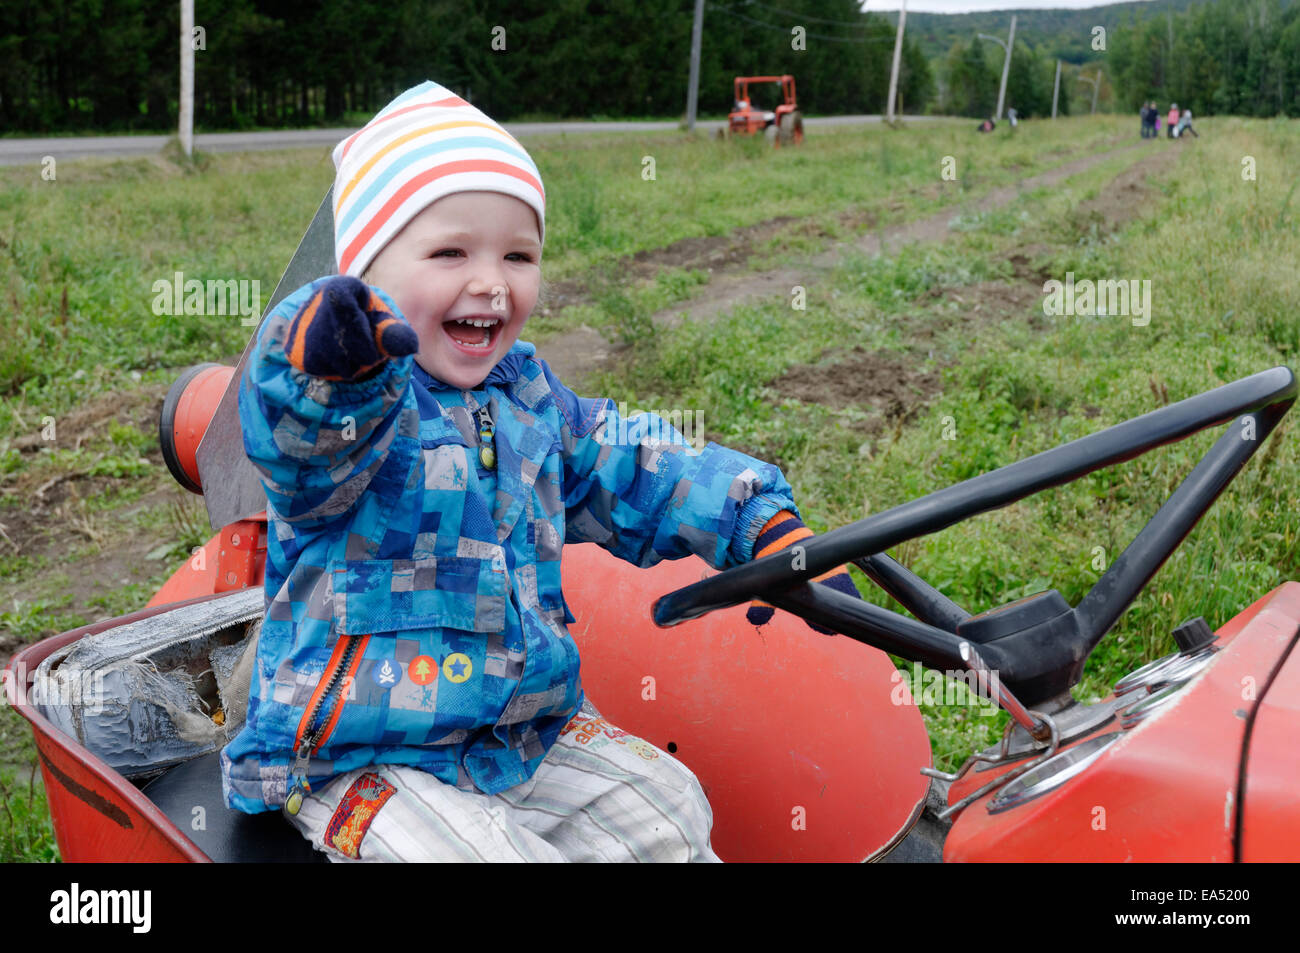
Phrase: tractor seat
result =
(227, 836)
(230, 836)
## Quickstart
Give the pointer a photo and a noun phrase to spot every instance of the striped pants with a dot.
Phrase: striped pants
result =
(600, 794)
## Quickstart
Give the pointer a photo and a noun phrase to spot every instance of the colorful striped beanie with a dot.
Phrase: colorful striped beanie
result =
(426, 143)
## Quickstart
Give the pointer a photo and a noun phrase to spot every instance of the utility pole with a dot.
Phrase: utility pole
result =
(1006, 67)
(1096, 85)
(1056, 90)
(693, 92)
(187, 77)
(898, 52)
(1006, 63)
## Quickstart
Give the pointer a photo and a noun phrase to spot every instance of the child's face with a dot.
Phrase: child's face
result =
(471, 256)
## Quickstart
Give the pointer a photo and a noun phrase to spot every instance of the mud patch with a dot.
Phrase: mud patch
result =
(53, 528)
(722, 253)
(729, 290)
(1028, 262)
(140, 407)
(558, 295)
(990, 300)
(1125, 196)
(717, 254)
(577, 355)
(885, 385)
(99, 552)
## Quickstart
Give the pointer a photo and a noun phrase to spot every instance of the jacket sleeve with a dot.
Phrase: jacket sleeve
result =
(637, 487)
(317, 444)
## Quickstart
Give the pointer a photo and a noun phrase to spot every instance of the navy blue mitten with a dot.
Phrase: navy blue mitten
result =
(781, 531)
(345, 331)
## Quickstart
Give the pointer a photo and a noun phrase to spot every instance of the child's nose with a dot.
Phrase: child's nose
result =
(488, 279)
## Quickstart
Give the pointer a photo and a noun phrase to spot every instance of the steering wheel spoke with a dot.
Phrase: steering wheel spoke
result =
(1039, 658)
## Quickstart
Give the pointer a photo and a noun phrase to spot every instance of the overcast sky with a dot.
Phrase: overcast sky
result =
(971, 6)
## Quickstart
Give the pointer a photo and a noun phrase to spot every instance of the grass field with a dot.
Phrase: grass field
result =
(903, 373)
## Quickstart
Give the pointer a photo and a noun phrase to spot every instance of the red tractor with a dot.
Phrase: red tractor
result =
(810, 747)
(782, 126)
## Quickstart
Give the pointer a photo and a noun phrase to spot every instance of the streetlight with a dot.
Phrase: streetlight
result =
(1006, 63)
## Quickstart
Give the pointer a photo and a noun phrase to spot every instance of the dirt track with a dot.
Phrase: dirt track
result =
(576, 353)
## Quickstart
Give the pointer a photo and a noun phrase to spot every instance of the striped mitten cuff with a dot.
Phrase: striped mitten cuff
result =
(780, 532)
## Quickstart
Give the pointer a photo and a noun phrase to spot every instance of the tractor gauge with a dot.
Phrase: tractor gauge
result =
(1182, 669)
(1171, 670)
(1144, 675)
(1052, 773)
(1143, 708)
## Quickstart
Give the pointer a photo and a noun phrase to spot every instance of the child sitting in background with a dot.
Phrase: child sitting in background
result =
(1185, 125)
(416, 693)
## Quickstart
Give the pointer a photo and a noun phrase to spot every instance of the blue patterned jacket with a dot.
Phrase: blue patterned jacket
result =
(414, 608)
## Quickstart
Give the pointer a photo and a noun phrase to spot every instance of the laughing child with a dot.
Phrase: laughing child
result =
(416, 694)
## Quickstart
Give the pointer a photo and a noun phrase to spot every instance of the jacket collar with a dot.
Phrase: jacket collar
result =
(506, 371)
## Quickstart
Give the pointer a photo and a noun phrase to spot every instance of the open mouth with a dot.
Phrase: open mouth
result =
(474, 334)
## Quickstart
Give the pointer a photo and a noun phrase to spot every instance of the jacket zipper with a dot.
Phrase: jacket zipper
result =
(312, 729)
(487, 453)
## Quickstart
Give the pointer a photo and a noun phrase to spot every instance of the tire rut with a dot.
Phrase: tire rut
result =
(576, 354)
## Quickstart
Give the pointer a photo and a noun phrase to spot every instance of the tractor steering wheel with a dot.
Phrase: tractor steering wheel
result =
(1038, 643)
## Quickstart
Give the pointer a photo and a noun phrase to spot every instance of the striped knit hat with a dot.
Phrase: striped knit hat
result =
(426, 143)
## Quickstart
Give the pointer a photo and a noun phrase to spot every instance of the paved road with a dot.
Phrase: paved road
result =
(22, 151)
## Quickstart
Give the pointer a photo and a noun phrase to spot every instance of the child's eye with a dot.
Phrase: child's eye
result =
(519, 256)
(446, 253)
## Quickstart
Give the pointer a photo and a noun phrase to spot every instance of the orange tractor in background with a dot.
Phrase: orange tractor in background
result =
(782, 126)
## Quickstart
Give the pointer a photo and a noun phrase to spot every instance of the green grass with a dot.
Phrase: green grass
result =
(1218, 250)
(79, 260)
(600, 205)
(26, 832)
(1014, 391)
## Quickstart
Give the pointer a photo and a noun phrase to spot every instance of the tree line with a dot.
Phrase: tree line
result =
(1228, 56)
(1220, 56)
(972, 73)
(1061, 33)
(114, 64)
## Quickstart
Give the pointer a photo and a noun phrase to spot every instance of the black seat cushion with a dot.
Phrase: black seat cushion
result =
(227, 836)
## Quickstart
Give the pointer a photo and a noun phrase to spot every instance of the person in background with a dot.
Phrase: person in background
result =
(1173, 119)
(1185, 125)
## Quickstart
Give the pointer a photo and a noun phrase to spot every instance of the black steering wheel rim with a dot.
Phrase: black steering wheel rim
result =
(1259, 401)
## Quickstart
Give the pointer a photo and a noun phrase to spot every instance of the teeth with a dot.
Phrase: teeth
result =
(479, 322)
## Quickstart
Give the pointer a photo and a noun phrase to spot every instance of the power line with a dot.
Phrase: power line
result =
(811, 19)
(786, 30)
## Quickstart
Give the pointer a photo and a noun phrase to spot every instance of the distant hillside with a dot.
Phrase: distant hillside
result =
(1216, 57)
(1063, 34)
